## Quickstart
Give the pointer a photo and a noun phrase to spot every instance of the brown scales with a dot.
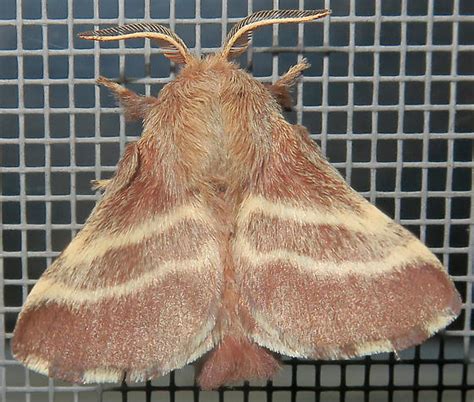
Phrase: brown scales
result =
(225, 235)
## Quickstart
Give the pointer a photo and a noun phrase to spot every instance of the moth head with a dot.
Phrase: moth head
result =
(174, 48)
(236, 43)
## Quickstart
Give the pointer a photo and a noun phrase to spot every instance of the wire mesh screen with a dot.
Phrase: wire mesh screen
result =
(389, 97)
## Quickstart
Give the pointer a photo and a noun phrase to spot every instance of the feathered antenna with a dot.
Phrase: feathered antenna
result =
(173, 45)
(239, 37)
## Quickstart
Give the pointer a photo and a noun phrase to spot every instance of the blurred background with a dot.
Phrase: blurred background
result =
(389, 97)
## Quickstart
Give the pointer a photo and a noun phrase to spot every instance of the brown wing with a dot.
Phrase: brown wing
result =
(324, 273)
(135, 293)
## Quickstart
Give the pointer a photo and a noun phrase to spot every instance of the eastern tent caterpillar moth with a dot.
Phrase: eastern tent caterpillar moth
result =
(226, 234)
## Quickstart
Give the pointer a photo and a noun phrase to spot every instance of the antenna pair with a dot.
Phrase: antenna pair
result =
(236, 43)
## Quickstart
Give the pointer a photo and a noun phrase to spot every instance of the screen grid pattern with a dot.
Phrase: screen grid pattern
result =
(389, 97)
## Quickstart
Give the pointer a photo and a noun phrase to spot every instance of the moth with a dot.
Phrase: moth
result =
(226, 236)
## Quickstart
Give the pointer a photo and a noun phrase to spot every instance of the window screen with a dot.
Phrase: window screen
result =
(389, 97)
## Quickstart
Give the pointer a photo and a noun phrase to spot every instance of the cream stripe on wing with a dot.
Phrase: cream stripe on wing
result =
(370, 221)
(411, 252)
(81, 252)
(49, 290)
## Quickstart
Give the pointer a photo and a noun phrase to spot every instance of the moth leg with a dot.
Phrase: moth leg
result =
(126, 171)
(100, 184)
(135, 106)
(289, 78)
(281, 89)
